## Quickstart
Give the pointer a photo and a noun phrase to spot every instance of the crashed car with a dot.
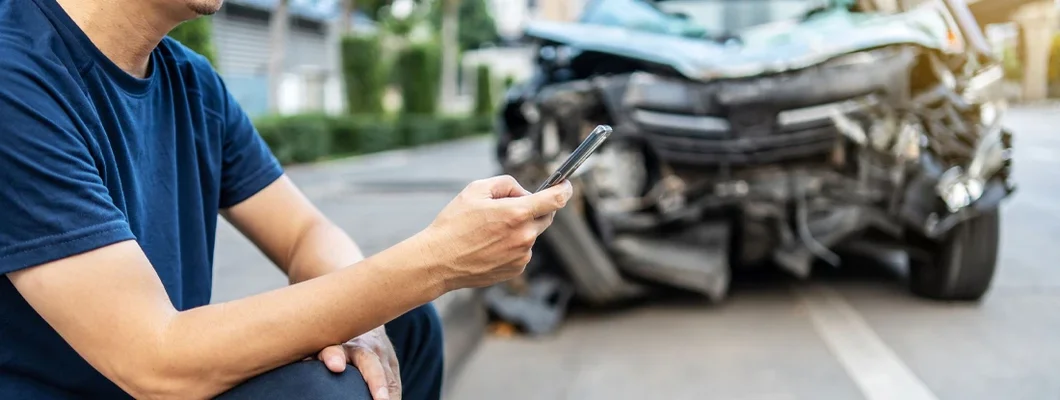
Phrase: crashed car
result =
(780, 138)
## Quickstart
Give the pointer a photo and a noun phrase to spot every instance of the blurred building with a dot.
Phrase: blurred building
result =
(558, 10)
(514, 61)
(512, 15)
(312, 79)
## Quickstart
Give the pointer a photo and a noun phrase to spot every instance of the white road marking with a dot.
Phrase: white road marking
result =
(874, 367)
(1039, 154)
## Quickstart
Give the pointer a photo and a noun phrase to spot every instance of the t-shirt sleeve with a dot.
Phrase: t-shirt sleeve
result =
(53, 201)
(248, 165)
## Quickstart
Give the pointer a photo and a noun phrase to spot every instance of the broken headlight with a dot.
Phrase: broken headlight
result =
(620, 171)
(663, 93)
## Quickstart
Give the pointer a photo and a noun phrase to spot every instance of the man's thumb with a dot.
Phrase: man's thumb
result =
(551, 199)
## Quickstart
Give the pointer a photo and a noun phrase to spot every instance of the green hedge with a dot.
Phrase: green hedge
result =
(312, 137)
(419, 74)
(364, 72)
(483, 91)
(197, 35)
(299, 138)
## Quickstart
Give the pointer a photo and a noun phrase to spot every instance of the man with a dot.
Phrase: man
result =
(118, 149)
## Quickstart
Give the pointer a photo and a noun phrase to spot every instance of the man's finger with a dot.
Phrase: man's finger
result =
(504, 186)
(334, 358)
(395, 366)
(393, 381)
(544, 221)
(371, 368)
(549, 200)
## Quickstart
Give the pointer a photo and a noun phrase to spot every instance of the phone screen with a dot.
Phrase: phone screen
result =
(580, 154)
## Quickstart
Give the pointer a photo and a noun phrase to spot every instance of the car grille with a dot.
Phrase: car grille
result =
(750, 136)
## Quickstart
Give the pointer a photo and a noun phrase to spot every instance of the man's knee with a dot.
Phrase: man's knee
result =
(429, 323)
(420, 331)
(302, 380)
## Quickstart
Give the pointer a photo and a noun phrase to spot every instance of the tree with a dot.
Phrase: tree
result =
(484, 91)
(418, 72)
(372, 8)
(364, 73)
(197, 35)
(477, 26)
(346, 18)
(278, 26)
(450, 48)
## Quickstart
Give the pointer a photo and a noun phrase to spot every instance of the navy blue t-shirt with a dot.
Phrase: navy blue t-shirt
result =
(91, 156)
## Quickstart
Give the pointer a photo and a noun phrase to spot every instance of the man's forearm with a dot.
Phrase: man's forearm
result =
(321, 249)
(243, 338)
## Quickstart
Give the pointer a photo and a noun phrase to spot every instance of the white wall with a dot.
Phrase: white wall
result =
(510, 16)
(516, 62)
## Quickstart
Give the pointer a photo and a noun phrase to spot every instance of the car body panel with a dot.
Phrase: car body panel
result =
(772, 48)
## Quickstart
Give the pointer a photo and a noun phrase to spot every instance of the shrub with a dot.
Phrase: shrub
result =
(480, 124)
(1054, 60)
(311, 137)
(197, 35)
(483, 91)
(297, 139)
(364, 72)
(345, 133)
(1012, 64)
(418, 130)
(373, 133)
(455, 126)
(419, 72)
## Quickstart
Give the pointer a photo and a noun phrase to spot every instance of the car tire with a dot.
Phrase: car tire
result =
(962, 266)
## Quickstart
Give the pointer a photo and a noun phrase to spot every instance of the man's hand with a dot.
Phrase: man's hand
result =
(485, 235)
(373, 355)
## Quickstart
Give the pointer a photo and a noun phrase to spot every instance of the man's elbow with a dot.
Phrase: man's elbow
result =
(165, 370)
(161, 379)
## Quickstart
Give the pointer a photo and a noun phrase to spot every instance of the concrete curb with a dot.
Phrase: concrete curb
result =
(382, 155)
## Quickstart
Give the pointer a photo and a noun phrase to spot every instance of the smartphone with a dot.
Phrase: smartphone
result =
(580, 154)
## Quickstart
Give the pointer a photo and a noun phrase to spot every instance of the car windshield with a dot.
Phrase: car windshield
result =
(736, 16)
(700, 17)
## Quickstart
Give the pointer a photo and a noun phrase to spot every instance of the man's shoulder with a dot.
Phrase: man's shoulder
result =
(28, 38)
(32, 58)
(196, 71)
(34, 79)
(186, 57)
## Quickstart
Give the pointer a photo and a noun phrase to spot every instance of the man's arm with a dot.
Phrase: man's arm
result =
(300, 240)
(69, 252)
(150, 349)
(113, 310)
(305, 244)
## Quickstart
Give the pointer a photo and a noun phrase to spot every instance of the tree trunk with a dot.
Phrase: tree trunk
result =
(278, 25)
(346, 19)
(450, 49)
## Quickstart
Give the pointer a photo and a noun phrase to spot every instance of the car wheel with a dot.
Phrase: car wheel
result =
(962, 266)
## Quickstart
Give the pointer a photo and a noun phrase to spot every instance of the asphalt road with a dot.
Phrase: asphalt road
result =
(850, 334)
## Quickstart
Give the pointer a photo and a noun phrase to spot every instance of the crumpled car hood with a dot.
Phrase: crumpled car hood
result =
(765, 49)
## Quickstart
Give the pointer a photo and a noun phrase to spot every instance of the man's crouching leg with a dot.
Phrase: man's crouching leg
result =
(302, 380)
(418, 341)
